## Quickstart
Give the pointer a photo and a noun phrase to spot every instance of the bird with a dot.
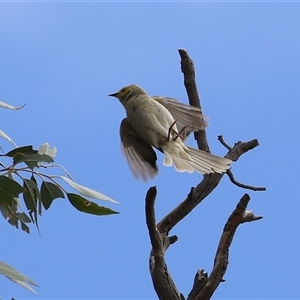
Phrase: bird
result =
(163, 123)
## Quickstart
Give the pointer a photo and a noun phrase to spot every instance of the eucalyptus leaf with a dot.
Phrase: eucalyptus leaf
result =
(49, 192)
(9, 106)
(29, 156)
(5, 136)
(4, 210)
(14, 218)
(31, 194)
(17, 277)
(87, 191)
(23, 217)
(24, 149)
(88, 207)
(6, 198)
(10, 186)
(24, 227)
(32, 160)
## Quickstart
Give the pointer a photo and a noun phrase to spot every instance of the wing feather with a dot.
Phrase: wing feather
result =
(140, 156)
(183, 113)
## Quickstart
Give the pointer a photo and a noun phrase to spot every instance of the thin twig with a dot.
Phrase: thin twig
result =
(244, 186)
(222, 141)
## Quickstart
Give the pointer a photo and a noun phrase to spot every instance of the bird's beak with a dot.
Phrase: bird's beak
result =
(113, 95)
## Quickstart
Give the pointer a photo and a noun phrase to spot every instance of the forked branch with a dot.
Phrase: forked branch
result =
(239, 215)
(204, 286)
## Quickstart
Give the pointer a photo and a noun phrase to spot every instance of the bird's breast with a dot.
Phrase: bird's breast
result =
(151, 121)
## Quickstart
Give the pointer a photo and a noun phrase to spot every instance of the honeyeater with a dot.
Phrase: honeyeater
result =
(162, 123)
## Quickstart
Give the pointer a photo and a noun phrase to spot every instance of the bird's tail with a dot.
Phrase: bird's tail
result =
(189, 159)
(206, 163)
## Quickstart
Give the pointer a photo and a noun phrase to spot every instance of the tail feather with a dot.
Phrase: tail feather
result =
(191, 159)
(209, 161)
(181, 165)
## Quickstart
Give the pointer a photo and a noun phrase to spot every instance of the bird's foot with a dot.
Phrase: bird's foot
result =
(172, 131)
(181, 133)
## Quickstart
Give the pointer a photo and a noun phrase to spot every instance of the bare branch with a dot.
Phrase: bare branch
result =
(188, 70)
(155, 239)
(199, 281)
(239, 215)
(244, 186)
(210, 181)
(240, 148)
(222, 141)
(203, 287)
(196, 195)
(234, 154)
(161, 278)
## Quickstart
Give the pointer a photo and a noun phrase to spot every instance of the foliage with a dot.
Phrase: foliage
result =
(17, 277)
(23, 179)
(36, 196)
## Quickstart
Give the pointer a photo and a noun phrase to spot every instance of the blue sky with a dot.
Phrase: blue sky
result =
(63, 59)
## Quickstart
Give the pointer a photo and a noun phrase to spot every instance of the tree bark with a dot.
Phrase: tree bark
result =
(204, 285)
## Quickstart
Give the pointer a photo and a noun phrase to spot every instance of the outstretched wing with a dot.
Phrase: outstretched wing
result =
(184, 114)
(140, 156)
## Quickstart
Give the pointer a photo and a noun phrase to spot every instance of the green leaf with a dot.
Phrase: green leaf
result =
(39, 195)
(31, 197)
(14, 217)
(6, 198)
(88, 207)
(32, 160)
(24, 150)
(49, 192)
(29, 156)
(25, 228)
(13, 220)
(4, 210)
(10, 186)
(23, 218)
(31, 194)
(32, 178)
(9, 189)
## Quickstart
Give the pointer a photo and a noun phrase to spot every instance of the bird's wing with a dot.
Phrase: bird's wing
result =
(140, 155)
(184, 114)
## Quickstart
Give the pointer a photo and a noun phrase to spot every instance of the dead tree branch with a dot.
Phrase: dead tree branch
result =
(162, 280)
(244, 186)
(234, 153)
(188, 70)
(204, 286)
(239, 215)
(203, 189)
(222, 141)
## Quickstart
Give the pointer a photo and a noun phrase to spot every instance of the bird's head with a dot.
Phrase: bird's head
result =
(124, 93)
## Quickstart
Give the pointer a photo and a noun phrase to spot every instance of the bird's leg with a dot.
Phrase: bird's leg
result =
(171, 130)
(181, 133)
